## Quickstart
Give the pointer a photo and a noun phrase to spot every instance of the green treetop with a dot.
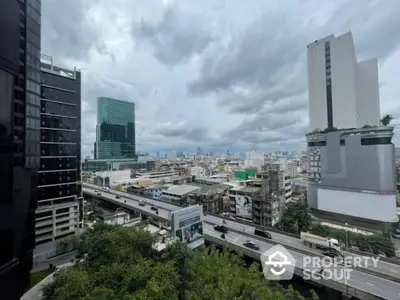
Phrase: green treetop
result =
(120, 264)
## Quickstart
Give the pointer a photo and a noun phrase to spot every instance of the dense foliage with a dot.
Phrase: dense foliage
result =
(296, 217)
(119, 264)
(376, 243)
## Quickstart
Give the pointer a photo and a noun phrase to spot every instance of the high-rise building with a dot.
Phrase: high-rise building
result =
(343, 93)
(352, 176)
(115, 130)
(59, 180)
(19, 140)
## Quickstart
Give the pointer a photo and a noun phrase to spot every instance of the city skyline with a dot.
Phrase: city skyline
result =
(248, 101)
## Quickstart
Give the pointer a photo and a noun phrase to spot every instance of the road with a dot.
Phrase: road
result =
(384, 268)
(35, 293)
(56, 261)
(365, 282)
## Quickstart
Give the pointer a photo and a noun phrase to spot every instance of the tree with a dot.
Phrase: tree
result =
(296, 217)
(368, 126)
(386, 119)
(374, 243)
(315, 131)
(119, 265)
(330, 129)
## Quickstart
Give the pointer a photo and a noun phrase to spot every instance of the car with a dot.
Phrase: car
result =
(262, 233)
(154, 208)
(396, 233)
(118, 197)
(142, 203)
(330, 253)
(221, 228)
(251, 245)
(98, 194)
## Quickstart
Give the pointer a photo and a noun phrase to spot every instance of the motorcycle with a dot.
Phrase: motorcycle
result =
(223, 235)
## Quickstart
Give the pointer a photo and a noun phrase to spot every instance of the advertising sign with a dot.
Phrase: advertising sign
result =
(244, 206)
(187, 225)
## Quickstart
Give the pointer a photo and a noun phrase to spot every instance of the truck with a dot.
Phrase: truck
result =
(316, 241)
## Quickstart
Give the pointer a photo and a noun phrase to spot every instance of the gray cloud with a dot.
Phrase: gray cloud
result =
(377, 27)
(175, 38)
(184, 131)
(65, 29)
(250, 64)
(274, 60)
(256, 56)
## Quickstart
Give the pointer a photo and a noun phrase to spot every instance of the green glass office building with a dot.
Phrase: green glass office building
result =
(115, 130)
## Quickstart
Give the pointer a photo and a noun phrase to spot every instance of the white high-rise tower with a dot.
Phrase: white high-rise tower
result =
(343, 93)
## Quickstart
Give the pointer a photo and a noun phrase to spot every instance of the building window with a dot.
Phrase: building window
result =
(328, 84)
(317, 144)
(376, 141)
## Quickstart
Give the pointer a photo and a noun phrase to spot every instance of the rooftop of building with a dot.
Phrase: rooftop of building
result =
(183, 189)
(156, 186)
(210, 189)
(364, 130)
(47, 65)
(115, 99)
(245, 189)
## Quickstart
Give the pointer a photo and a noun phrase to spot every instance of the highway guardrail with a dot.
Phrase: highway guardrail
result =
(271, 241)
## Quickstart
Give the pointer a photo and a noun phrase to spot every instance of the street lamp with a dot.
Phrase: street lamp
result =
(347, 240)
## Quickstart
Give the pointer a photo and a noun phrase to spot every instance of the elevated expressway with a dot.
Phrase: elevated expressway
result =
(381, 282)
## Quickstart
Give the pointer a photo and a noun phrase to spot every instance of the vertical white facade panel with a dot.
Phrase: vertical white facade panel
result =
(316, 86)
(355, 86)
(343, 63)
(368, 92)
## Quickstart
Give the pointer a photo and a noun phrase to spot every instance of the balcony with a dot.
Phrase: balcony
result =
(44, 223)
(43, 237)
(44, 230)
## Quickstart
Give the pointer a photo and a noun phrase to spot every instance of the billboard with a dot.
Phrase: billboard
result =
(244, 206)
(187, 225)
(371, 206)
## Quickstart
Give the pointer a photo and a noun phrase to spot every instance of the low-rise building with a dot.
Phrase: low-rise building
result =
(241, 200)
(210, 196)
(198, 172)
(178, 194)
(111, 178)
(154, 191)
(118, 218)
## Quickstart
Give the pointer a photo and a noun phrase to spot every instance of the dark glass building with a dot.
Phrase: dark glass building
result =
(19, 141)
(115, 131)
(59, 177)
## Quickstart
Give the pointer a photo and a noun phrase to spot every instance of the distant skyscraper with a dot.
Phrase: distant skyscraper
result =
(115, 130)
(19, 141)
(343, 93)
(59, 211)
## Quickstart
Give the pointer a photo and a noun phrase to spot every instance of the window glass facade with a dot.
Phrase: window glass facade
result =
(328, 81)
(60, 143)
(20, 46)
(32, 82)
(115, 137)
(60, 128)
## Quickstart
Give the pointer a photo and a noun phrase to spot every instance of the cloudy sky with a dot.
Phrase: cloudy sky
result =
(216, 74)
